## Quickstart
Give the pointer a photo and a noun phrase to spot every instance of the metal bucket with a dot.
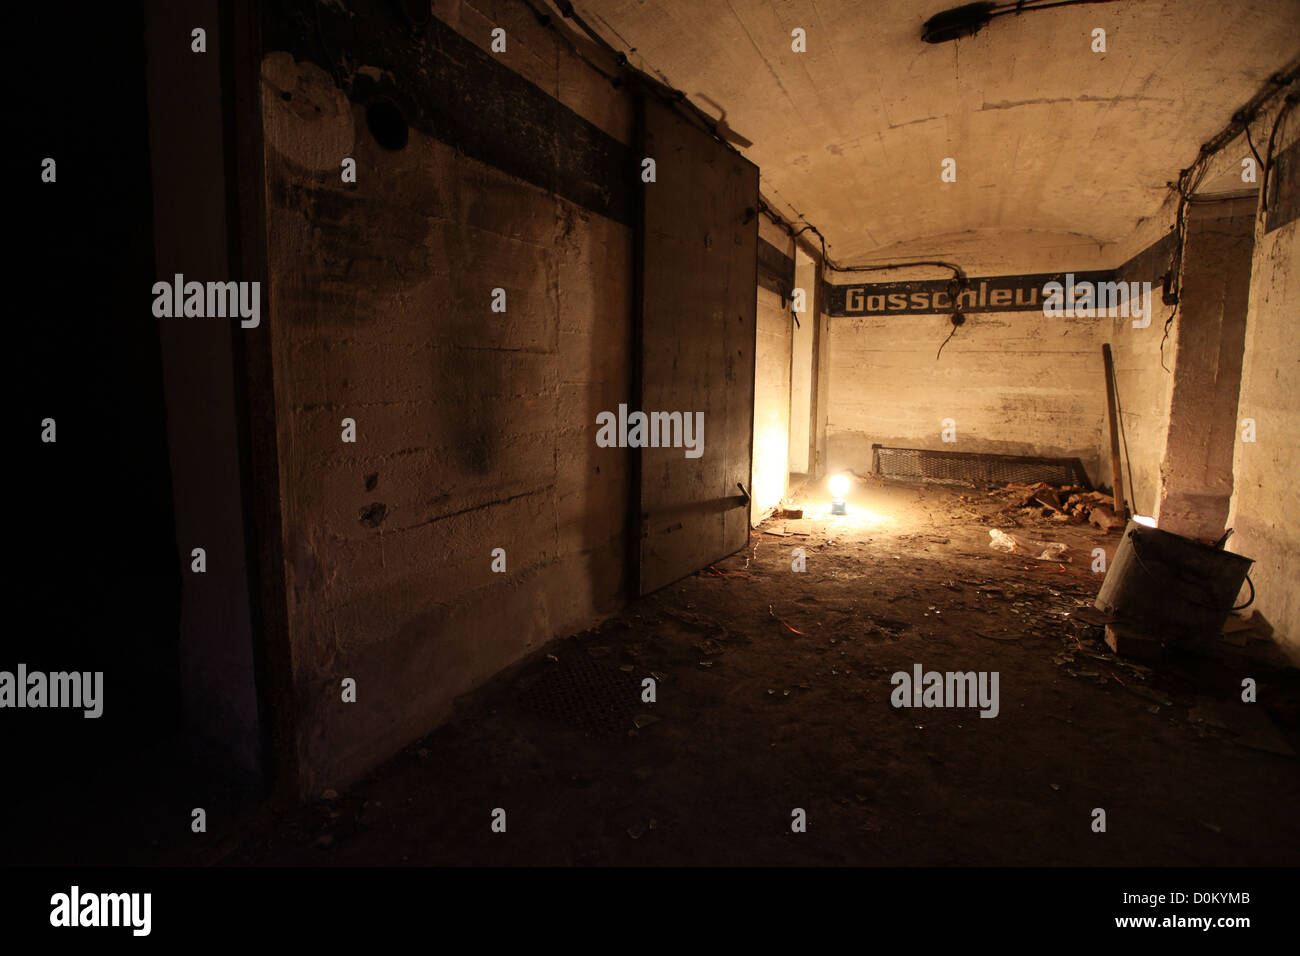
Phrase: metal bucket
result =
(1172, 583)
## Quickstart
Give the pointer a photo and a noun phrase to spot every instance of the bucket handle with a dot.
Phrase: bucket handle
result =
(1137, 553)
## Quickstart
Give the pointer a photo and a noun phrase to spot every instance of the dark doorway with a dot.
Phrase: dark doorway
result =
(96, 546)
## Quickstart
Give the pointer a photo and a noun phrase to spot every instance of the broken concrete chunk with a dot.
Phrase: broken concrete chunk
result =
(1127, 641)
(1104, 517)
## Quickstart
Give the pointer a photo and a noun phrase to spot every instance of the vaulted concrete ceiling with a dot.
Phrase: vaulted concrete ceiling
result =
(1059, 150)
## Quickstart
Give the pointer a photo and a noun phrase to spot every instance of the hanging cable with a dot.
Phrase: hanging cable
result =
(1253, 151)
(1190, 179)
(958, 284)
(1287, 106)
(958, 272)
(1025, 6)
(1168, 322)
(969, 19)
(955, 326)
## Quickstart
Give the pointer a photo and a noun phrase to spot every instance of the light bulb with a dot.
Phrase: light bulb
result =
(839, 485)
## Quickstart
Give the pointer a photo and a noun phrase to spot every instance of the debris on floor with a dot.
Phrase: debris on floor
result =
(1149, 694)
(1071, 504)
(1039, 550)
(732, 680)
(1104, 518)
(1248, 724)
(714, 572)
(786, 625)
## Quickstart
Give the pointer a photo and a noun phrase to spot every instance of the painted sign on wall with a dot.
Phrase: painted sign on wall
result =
(1019, 293)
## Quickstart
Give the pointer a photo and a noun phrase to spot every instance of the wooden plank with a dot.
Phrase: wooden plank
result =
(1116, 464)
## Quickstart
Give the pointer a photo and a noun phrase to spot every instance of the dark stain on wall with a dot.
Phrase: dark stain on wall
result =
(477, 377)
(374, 514)
(1150, 264)
(346, 233)
(775, 269)
(448, 88)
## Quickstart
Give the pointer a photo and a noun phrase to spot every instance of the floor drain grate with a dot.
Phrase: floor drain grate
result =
(596, 697)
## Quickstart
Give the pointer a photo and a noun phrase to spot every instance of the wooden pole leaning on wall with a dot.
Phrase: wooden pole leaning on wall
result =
(1116, 465)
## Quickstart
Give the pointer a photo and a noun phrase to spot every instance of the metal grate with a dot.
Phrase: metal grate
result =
(594, 696)
(963, 467)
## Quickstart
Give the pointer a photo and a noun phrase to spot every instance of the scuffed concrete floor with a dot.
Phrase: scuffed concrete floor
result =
(756, 720)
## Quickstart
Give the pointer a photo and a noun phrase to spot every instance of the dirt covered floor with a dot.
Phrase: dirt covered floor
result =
(773, 694)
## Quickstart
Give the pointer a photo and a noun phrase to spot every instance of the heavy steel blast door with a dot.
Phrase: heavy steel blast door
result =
(698, 252)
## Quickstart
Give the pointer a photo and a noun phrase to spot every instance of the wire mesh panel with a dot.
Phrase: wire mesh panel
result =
(955, 467)
(593, 696)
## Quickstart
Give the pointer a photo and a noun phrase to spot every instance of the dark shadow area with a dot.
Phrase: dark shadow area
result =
(98, 563)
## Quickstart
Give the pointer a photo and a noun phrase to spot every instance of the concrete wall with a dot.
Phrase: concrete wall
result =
(1266, 495)
(1143, 387)
(475, 430)
(822, 381)
(801, 366)
(771, 388)
(1014, 383)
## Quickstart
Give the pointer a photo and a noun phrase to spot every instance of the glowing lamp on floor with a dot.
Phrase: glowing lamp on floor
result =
(839, 486)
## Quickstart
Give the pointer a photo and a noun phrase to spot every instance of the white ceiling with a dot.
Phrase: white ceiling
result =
(1059, 150)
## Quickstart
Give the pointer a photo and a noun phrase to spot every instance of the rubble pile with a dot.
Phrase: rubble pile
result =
(1068, 504)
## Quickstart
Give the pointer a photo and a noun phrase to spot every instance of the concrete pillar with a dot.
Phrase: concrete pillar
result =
(1208, 342)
